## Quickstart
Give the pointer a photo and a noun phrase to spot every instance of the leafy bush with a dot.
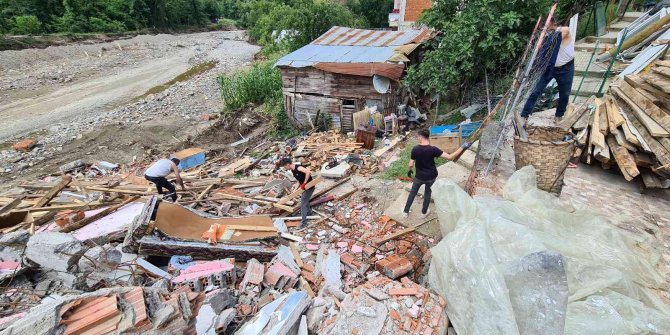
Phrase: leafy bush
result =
(375, 12)
(304, 23)
(259, 84)
(475, 36)
(26, 25)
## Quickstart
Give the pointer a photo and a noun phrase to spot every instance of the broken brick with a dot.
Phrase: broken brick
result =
(394, 315)
(403, 291)
(394, 266)
(24, 145)
(69, 216)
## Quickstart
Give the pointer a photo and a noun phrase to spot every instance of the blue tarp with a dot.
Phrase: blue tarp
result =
(467, 129)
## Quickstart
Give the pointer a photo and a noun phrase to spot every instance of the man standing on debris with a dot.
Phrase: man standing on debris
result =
(303, 176)
(157, 172)
(560, 49)
(423, 156)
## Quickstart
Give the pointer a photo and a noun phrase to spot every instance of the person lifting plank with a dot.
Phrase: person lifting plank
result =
(303, 175)
(423, 157)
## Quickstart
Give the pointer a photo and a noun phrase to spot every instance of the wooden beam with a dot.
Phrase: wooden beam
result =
(399, 233)
(639, 83)
(604, 122)
(623, 158)
(659, 151)
(85, 221)
(577, 114)
(299, 191)
(657, 81)
(652, 126)
(82, 206)
(648, 107)
(621, 140)
(330, 188)
(614, 118)
(251, 228)
(44, 200)
(597, 137)
(222, 196)
(10, 205)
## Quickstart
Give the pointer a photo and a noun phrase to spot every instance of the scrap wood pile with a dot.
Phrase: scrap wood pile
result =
(629, 128)
(226, 257)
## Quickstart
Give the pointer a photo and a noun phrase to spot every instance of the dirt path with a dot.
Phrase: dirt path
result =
(110, 101)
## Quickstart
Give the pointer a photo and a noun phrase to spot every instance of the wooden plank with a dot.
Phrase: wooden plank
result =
(299, 191)
(659, 151)
(643, 159)
(614, 118)
(10, 205)
(631, 133)
(657, 81)
(665, 63)
(330, 188)
(251, 228)
(202, 194)
(623, 158)
(621, 140)
(85, 221)
(597, 137)
(296, 254)
(44, 200)
(662, 70)
(223, 196)
(648, 107)
(604, 122)
(234, 167)
(602, 155)
(399, 233)
(639, 82)
(650, 180)
(577, 114)
(654, 128)
(81, 206)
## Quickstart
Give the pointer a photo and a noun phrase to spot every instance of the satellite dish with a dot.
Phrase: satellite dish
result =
(381, 84)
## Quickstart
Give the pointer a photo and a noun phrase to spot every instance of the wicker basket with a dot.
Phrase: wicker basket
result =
(545, 150)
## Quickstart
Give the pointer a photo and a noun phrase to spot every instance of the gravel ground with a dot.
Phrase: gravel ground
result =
(71, 97)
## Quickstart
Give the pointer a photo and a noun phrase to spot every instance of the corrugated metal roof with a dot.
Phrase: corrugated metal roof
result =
(348, 45)
(371, 38)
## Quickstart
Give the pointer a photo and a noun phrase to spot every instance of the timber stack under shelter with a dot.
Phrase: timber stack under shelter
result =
(345, 70)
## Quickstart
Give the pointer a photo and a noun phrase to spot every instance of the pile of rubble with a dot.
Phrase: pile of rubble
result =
(96, 246)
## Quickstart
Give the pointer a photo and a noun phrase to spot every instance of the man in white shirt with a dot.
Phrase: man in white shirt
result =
(561, 66)
(157, 172)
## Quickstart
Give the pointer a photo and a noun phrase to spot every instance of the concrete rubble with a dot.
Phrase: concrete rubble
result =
(229, 256)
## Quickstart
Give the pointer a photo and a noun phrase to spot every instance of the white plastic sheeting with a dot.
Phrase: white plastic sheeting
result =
(610, 276)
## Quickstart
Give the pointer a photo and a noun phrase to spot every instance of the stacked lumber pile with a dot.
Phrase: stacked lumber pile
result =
(324, 147)
(629, 128)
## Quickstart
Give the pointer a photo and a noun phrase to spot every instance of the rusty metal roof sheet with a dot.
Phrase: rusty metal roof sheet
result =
(349, 45)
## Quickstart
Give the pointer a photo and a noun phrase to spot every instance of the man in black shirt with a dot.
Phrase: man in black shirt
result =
(423, 156)
(303, 176)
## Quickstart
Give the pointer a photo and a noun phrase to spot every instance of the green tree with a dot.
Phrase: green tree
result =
(474, 36)
(302, 24)
(27, 25)
(375, 12)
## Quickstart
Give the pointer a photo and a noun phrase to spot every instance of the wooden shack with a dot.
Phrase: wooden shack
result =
(345, 70)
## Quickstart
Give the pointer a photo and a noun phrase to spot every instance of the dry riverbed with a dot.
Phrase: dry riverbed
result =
(114, 101)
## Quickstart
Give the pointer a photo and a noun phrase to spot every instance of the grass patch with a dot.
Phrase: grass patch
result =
(188, 74)
(257, 85)
(398, 168)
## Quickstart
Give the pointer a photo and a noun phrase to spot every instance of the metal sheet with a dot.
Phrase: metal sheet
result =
(348, 45)
(645, 57)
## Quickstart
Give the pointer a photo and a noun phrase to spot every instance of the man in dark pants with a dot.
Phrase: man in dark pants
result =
(423, 156)
(561, 66)
(303, 176)
(157, 172)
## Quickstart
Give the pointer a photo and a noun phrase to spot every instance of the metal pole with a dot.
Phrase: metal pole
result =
(586, 70)
(609, 68)
(488, 93)
(517, 83)
(524, 79)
